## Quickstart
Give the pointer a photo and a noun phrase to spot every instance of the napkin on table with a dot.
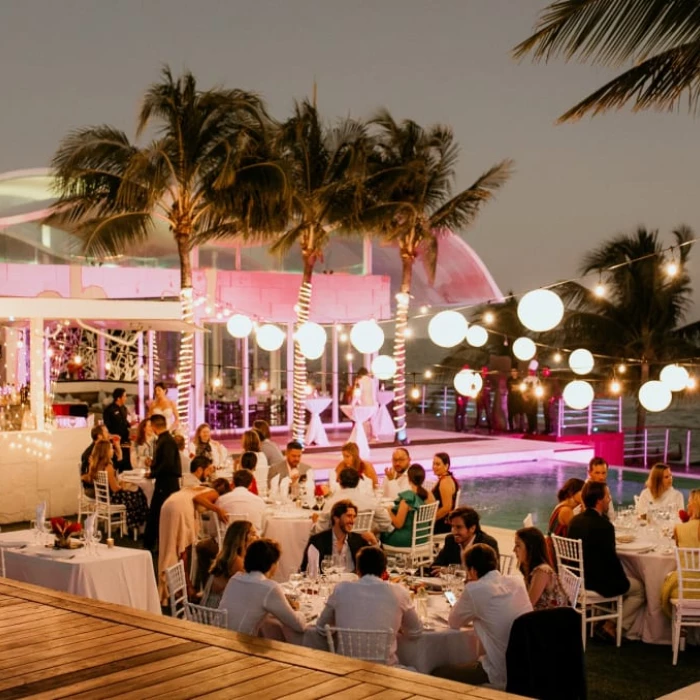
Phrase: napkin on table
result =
(309, 495)
(284, 488)
(312, 559)
(275, 488)
(40, 515)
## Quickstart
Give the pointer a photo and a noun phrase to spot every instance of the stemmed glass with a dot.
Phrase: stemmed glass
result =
(327, 565)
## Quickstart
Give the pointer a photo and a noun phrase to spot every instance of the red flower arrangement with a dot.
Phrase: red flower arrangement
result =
(684, 516)
(318, 490)
(63, 529)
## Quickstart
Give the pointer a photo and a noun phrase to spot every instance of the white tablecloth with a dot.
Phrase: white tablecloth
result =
(119, 575)
(292, 533)
(651, 625)
(359, 414)
(316, 433)
(382, 425)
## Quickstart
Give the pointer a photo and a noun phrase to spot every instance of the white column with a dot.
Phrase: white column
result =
(151, 344)
(140, 376)
(199, 383)
(290, 375)
(246, 384)
(335, 377)
(367, 256)
(36, 371)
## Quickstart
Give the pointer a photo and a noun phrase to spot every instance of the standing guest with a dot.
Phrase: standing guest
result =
(444, 492)
(371, 603)
(166, 470)
(229, 561)
(340, 541)
(569, 497)
(351, 459)
(466, 531)
(659, 492)
(515, 401)
(364, 386)
(200, 470)
(251, 595)
(143, 446)
(403, 511)
(202, 444)
(273, 454)
(249, 461)
(290, 466)
(543, 585)
(492, 602)
(116, 418)
(396, 476)
(602, 568)
(161, 405)
(461, 403)
(483, 401)
(241, 501)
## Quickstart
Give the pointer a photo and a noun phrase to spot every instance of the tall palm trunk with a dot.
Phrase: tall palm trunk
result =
(402, 304)
(641, 411)
(186, 338)
(303, 309)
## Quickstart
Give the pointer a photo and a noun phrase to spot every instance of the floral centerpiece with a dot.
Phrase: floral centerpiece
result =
(63, 529)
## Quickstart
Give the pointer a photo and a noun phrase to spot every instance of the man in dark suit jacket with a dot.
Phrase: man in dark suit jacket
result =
(340, 539)
(166, 470)
(116, 419)
(602, 568)
(466, 531)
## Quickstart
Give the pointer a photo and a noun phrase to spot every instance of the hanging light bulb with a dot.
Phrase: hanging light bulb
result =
(108, 366)
(621, 368)
(216, 382)
(262, 386)
(489, 318)
(672, 268)
(428, 374)
(349, 357)
(343, 337)
(557, 357)
(78, 360)
(415, 393)
(408, 333)
(424, 309)
(692, 383)
(615, 387)
(599, 290)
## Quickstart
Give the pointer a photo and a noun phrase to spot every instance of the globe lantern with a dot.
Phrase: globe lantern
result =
(468, 383)
(239, 326)
(477, 336)
(675, 377)
(581, 361)
(578, 394)
(655, 396)
(311, 338)
(270, 337)
(447, 329)
(383, 367)
(367, 336)
(540, 310)
(524, 349)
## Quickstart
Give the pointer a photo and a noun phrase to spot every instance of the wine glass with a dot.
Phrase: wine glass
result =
(326, 564)
(295, 581)
(391, 565)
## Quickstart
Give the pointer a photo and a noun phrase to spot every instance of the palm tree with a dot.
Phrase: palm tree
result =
(411, 187)
(660, 39)
(326, 171)
(201, 176)
(643, 307)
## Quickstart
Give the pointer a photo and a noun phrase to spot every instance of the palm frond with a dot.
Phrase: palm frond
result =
(115, 234)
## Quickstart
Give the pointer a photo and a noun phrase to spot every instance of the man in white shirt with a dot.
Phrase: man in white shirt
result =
(396, 476)
(241, 501)
(201, 469)
(349, 480)
(372, 604)
(492, 602)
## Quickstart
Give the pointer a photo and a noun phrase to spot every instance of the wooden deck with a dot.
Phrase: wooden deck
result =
(61, 646)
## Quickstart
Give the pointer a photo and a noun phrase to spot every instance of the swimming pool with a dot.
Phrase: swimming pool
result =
(504, 494)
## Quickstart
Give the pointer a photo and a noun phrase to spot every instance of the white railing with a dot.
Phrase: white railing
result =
(602, 414)
(656, 445)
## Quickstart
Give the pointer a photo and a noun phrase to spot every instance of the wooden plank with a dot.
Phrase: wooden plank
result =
(368, 690)
(431, 687)
(286, 681)
(390, 694)
(28, 637)
(336, 687)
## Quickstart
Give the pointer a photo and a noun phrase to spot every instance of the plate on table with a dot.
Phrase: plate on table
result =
(301, 515)
(638, 546)
(428, 581)
(625, 538)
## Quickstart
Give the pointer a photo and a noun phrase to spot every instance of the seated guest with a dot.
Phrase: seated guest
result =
(492, 602)
(202, 444)
(272, 453)
(687, 534)
(396, 476)
(250, 442)
(241, 501)
(603, 571)
(543, 585)
(229, 560)
(120, 492)
(200, 470)
(99, 433)
(143, 446)
(659, 492)
(340, 541)
(404, 509)
(249, 461)
(371, 603)
(184, 454)
(352, 460)
(569, 497)
(291, 466)
(349, 480)
(444, 492)
(250, 596)
(466, 531)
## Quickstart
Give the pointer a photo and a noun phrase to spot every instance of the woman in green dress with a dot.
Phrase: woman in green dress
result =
(404, 509)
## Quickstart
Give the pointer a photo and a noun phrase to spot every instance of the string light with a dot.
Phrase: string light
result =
(557, 357)
(672, 268)
(615, 387)
(599, 290)
(489, 318)
(622, 368)
(428, 374)
(415, 393)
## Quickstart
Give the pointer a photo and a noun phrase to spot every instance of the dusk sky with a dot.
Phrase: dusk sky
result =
(69, 63)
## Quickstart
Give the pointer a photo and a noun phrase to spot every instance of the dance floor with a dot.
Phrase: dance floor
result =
(61, 646)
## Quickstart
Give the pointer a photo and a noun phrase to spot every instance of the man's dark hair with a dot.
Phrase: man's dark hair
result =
(158, 421)
(263, 429)
(592, 492)
(481, 558)
(261, 555)
(371, 561)
(221, 485)
(200, 462)
(242, 478)
(340, 508)
(118, 393)
(597, 462)
(294, 445)
(348, 478)
(249, 460)
(468, 515)
(405, 451)
(362, 372)
(96, 432)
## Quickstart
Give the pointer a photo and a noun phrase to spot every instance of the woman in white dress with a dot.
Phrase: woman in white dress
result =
(659, 492)
(165, 407)
(202, 444)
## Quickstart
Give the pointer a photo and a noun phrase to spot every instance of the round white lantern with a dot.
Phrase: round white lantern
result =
(367, 336)
(477, 336)
(581, 361)
(540, 310)
(239, 326)
(311, 339)
(524, 349)
(468, 383)
(675, 377)
(578, 394)
(655, 396)
(383, 367)
(447, 329)
(270, 337)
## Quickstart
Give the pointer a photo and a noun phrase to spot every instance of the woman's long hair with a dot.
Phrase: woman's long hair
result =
(251, 441)
(141, 432)
(570, 488)
(535, 547)
(354, 451)
(444, 458)
(416, 476)
(234, 546)
(197, 440)
(656, 479)
(100, 458)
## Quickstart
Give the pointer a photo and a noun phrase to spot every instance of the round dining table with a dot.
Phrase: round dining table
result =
(291, 528)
